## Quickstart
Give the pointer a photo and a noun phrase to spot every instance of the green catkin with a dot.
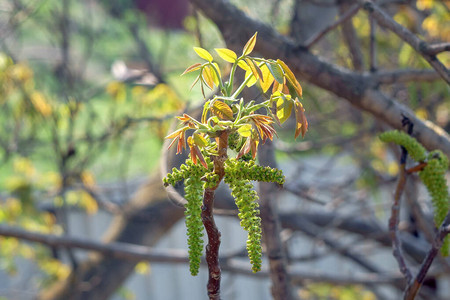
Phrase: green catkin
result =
(433, 177)
(414, 148)
(246, 201)
(194, 194)
(193, 189)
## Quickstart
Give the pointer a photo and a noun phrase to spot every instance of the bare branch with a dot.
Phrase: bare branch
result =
(435, 49)
(344, 17)
(414, 285)
(407, 75)
(393, 225)
(419, 45)
(351, 38)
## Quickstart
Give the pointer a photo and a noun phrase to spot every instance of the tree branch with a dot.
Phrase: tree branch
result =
(353, 10)
(419, 45)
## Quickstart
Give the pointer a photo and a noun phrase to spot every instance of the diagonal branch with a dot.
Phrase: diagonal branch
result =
(419, 45)
(343, 18)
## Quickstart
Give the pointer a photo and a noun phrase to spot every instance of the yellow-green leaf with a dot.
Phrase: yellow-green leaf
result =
(267, 78)
(226, 54)
(199, 140)
(245, 130)
(192, 68)
(215, 72)
(252, 80)
(222, 110)
(243, 65)
(203, 54)
(254, 68)
(208, 77)
(290, 76)
(276, 71)
(248, 48)
(284, 109)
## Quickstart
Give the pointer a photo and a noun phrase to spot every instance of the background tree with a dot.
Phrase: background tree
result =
(372, 65)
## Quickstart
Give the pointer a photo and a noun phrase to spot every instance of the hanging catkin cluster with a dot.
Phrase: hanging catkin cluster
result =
(238, 175)
(193, 188)
(432, 175)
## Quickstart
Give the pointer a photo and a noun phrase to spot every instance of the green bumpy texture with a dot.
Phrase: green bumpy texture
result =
(194, 196)
(433, 177)
(246, 200)
(192, 174)
(414, 148)
(238, 174)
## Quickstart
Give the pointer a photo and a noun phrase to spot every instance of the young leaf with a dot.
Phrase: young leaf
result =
(254, 68)
(203, 54)
(267, 78)
(276, 71)
(226, 54)
(291, 78)
(222, 110)
(215, 75)
(302, 123)
(252, 80)
(243, 65)
(284, 109)
(208, 77)
(245, 130)
(192, 68)
(248, 48)
(199, 140)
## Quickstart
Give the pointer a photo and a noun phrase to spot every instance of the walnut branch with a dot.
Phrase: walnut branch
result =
(419, 45)
(414, 285)
(344, 17)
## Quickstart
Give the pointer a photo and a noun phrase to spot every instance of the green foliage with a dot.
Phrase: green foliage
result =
(230, 122)
(432, 175)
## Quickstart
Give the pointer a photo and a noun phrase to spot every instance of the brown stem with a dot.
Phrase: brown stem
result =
(393, 225)
(414, 285)
(213, 233)
(212, 249)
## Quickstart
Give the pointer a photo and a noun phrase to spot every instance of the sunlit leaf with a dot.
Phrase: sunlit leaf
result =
(243, 65)
(267, 78)
(142, 268)
(215, 72)
(245, 130)
(254, 68)
(203, 54)
(290, 76)
(192, 68)
(208, 78)
(252, 80)
(222, 110)
(245, 148)
(199, 140)
(195, 81)
(284, 109)
(226, 54)
(205, 111)
(276, 71)
(301, 122)
(248, 48)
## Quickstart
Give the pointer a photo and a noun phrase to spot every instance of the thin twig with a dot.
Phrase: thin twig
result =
(435, 49)
(351, 39)
(419, 45)
(393, 225)
(344, 17)
(414, 285)
(405, 75)
(372, 46)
